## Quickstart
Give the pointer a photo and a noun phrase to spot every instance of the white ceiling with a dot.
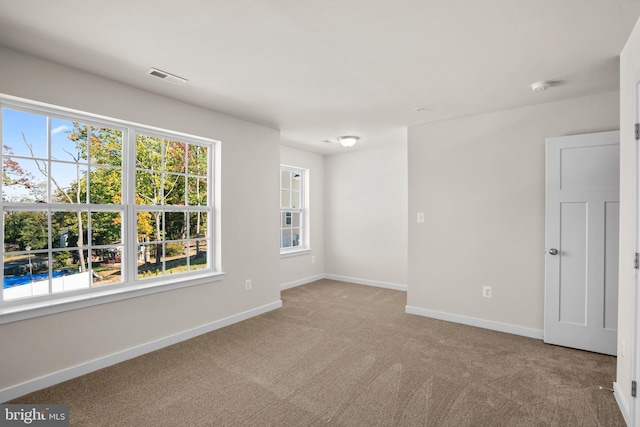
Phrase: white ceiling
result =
(319, 69)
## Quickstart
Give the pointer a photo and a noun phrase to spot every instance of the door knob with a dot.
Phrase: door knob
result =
(553, 251)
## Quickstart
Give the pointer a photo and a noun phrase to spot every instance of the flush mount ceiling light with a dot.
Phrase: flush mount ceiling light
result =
(348, 141)
(171, 78)
(540, 86)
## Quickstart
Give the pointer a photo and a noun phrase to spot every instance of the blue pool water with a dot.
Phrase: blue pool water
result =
(10, 282)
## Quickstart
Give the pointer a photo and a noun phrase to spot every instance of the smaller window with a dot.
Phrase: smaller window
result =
(292, 208)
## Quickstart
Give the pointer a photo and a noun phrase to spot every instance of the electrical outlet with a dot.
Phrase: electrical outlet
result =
(486, 291)
(247, 284)
(313, 259)
(420, 217)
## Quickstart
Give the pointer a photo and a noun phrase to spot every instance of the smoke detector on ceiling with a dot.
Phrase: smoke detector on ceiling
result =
(171, 78)
(540, 86)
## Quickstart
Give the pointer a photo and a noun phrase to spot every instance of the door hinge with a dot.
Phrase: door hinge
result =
(637, 131)
(633, 388)
(636, 261)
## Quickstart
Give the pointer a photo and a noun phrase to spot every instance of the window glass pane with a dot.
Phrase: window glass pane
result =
(197, 225)
(26, 230)
(20, 271)
(198, 254)
(26, 275)
(106, 146)
(285, 179)
(150, 260)
(65, 179)
(175, 156)
(107, 264)
(285, 238)
(285, 199)
(148, 188)
(24, 134)
(295, 237)
(176, 257)
(148, 152)
(69, 141)
(295, 199)
(106, 228)
(64, 229)
(69, 229)
(105, 186)
(286, 219)
(174, 190)
(70, 279)
(175, 225)
(197, 191)
(295, 219)
(295, 185)
(22, 182)
(198, 157)
(149, 226)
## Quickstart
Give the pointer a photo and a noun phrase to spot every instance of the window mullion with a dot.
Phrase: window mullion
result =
(130, 215)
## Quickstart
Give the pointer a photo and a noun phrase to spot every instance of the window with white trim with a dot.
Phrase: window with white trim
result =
(90, 204)
(292, 209)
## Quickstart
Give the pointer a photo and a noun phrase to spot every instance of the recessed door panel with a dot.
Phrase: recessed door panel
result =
(573, 263)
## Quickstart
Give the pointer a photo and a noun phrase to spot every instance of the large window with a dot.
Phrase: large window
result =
(292, 212)
(92, 204)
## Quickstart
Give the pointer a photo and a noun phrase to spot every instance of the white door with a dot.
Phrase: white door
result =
(581, 265)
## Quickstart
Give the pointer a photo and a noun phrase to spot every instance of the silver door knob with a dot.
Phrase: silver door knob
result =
(553, 251)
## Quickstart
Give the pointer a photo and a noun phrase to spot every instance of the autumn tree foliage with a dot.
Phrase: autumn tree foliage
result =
(168, 173)
(13, 173)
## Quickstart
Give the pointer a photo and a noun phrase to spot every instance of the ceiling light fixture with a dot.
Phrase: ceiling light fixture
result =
(348, 141)
(540, 86)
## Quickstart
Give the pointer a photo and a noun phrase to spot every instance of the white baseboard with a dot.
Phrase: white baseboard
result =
(301, 282)
(480, 323)
(48, 380)
(622, 403)
(366, 282)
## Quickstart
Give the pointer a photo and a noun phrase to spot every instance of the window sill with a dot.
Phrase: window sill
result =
(294, 252)
(29, 309)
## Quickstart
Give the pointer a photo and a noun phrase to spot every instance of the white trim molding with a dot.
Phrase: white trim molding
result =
(48, 380)
(374, 283)
(480, 323)
(301, 282)
(622, 404)
(288, 253)
(367, 282)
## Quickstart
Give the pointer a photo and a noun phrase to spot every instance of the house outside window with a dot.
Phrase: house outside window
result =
(91, 204)
(293, 227)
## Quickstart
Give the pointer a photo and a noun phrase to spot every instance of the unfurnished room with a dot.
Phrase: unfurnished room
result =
(309, 213)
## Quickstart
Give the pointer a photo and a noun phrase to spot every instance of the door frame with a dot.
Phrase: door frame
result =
(634, 356)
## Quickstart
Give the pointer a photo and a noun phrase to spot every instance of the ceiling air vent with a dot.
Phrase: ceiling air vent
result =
(166, 76)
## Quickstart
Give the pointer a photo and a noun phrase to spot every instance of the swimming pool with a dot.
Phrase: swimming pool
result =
(12, 281)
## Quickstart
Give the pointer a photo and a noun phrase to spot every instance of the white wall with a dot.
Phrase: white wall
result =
(629, 72)
(366, 215)
(300, 269)
(250, 200)
(480, 181)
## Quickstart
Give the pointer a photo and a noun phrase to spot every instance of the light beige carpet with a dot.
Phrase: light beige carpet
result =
(347, 355)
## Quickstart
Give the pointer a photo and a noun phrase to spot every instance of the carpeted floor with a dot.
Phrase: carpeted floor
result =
(340, 354)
